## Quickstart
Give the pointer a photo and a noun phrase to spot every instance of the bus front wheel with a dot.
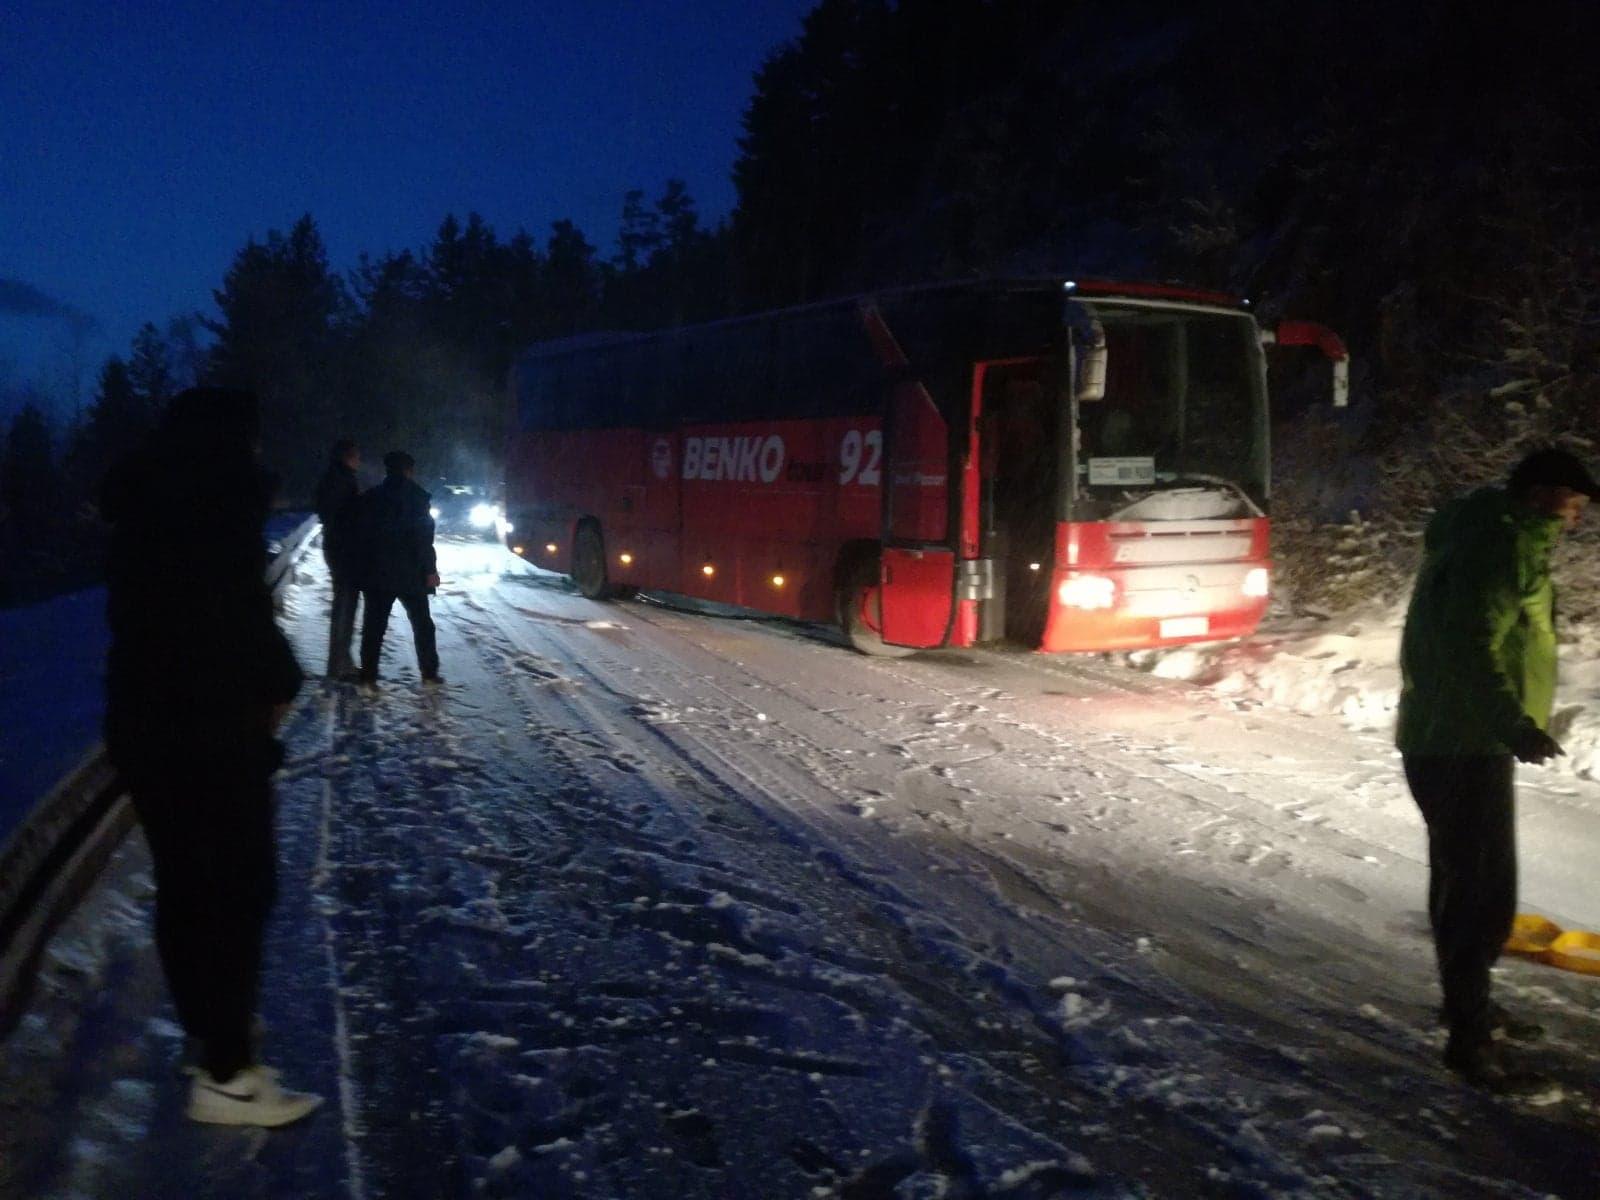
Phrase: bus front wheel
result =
(589, 564)
(859, 602)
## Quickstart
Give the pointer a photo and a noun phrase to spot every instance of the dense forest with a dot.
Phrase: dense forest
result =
(1422, 176)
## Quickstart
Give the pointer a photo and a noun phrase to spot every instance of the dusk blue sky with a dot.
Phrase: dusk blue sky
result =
(141, 144)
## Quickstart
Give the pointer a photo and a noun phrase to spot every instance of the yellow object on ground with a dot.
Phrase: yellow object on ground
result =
(1539, 937)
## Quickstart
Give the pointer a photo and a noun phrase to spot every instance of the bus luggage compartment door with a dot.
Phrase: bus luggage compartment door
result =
(918, 563)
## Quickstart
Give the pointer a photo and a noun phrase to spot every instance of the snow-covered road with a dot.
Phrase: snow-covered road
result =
(648, 903)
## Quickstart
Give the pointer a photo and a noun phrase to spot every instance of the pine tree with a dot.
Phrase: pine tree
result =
(150, 368)
(284, 315)
(572, 279)
(639, 236)
(187, 353)
(30, 480)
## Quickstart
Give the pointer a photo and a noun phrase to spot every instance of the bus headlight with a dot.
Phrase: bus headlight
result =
(483, 515)
(1087, 591)
(1257, 583)
(433, 512)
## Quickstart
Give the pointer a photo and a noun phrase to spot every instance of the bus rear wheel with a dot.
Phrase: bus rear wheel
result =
(589, 563)
(858, 600)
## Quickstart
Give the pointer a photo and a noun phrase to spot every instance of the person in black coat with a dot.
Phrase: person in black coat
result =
(337, 493)
(198, 678)
(398, 563)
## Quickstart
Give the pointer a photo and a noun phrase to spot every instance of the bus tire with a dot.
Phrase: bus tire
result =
(589, 563)
(855, 599)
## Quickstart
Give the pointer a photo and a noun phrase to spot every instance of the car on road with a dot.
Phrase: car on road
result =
(467, 510)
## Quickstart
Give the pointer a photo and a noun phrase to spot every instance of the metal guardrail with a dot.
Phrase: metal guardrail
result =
(286, 551)
(54, 856)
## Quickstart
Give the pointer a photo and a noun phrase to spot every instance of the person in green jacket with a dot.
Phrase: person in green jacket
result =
(1478, 673)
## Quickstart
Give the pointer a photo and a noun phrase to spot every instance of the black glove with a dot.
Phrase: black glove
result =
(1533, 745)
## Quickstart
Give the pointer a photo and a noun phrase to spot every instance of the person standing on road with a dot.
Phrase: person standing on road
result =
(398, 563)
(337, 493)
(198, 678)
(1478, 673)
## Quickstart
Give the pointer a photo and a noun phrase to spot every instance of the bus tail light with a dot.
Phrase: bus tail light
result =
(1088, 591)
(1257, 583)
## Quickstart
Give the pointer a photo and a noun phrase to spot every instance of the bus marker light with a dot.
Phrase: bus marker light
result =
(549, 547)
(1088, 591)
(1033, 566)
(518, 549)
(625, 559)
(708, 570)
(1257, 582)
(777, 581)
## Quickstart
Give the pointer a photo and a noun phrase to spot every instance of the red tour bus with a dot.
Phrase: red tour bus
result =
(1079, 466)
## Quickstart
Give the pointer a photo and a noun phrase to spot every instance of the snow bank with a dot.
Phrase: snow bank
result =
(1348, 666)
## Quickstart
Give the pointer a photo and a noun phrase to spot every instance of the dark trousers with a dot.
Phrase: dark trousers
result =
(376, 620)
(1468, 805)
(342, 624)
(210, 836)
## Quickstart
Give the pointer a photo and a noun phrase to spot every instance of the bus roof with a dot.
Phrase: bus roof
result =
(1110, 289)
(1158, 291)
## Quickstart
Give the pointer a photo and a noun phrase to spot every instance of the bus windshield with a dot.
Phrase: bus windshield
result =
(1181, 432)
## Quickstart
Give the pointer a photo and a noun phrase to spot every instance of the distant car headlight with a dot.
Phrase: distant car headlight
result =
(483, 515)
(434, 512)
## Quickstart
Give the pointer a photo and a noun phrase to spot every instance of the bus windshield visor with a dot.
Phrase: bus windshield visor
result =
(1181, 432)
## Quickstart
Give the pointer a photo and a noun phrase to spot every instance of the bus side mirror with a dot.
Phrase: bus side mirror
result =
(1091, 359)
(1309, 333)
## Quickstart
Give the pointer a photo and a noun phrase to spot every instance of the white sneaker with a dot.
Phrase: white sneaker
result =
(252, 1097)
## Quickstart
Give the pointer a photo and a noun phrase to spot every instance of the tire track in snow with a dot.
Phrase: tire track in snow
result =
(965, 1027)
(759, 777)
(349, 1090)
(576, 809)
(801, 800)
(1355, 1035)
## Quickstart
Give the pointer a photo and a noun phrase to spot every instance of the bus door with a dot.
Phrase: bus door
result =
(1018, 481)
(918, 563)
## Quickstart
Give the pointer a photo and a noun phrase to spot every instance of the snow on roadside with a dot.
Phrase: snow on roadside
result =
(1348, 666)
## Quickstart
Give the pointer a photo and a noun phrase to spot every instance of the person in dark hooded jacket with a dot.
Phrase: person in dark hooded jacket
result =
(1478, 675)
(337, 493)
(198, 677)
(398, 563)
